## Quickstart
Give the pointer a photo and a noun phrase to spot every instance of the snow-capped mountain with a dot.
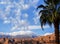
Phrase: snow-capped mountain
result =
(20, 34)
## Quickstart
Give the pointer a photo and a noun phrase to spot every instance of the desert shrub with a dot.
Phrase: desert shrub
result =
(26, 42)
(1, 43)
(37, 42)
(31, 41)
(12, 41)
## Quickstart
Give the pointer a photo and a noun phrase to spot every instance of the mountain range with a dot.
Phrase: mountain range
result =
(18, 36)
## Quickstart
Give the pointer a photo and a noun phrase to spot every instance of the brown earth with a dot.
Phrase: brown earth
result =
(49, 39)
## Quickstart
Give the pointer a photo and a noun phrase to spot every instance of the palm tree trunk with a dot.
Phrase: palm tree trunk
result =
(56, 26)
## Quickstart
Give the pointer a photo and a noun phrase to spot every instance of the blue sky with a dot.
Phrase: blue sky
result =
(21, 16)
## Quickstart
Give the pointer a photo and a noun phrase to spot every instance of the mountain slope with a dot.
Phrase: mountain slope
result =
(20, 34)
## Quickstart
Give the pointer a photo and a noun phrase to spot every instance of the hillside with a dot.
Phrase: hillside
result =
(48, 39)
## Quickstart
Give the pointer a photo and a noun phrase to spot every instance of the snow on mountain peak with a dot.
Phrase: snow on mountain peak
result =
(21, 34)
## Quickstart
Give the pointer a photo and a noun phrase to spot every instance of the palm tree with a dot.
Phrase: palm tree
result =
(50, 14)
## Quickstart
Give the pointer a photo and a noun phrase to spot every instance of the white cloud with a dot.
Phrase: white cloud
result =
(36, 17)
(37, 27)
(25, 6)
(20, 25)
(36, 20)
(8, 8)
(15, 19)
(15, 27)
(47, 34)
(1, 33)
(19, 33)
(29, 27)
(2, 2)
(33, 2)
(25, 16)
(6, 21)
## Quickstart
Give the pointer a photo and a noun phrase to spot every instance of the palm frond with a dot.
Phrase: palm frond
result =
(58, 9)
(56, 2)
(49, 12)
(41, 6)
(43, 20)
(49, 20)
(46, 2)
(44, 11)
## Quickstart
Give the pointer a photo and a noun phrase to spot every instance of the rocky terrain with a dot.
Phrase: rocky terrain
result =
(48, 39)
